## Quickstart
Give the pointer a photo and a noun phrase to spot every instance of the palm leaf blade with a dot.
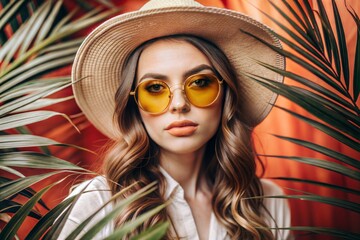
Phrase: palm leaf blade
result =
(335, 167)
(308, 66)
(8, 12)
(304, 40)
(356, 82)
(342, 44)
(14, 224)
(27, 192)
(44, 102)
(339, 234)
(37, 160)
(326, 151)
(322, 184)
(23, 140)
(329, 38)
(328, 130)
(352, 206)
(46, 26)
(314, 86)
(306, 100)
(154, 233)
(23, 101)
(47, 220)
(90, 233)
(26, 118)
(13, 187)
(35, 25)
(8, 206)
(39, 66)
(129, 226)
(312, 29)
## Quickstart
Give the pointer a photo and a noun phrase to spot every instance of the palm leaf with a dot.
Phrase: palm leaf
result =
(336, 99)
(10, 188)
(42, 103)
(59, 223)
(312, 26)
(14, 224)
(342, 44)
(48, 219)
(284, 90)
(335, 167)
(27, 192)
(8, 12)
(26, 118)
(324, 150)
(9, 206)
(154, 233)
(63, 32)
(322, 50)
(127, 227)
(12, 171)
(22, 140)
(329, 37)
(37, 160)
(348, 205)
(322, 184)
(28, 99)
(31, 86)
(339, 234)
(308, 41)
(356, 83)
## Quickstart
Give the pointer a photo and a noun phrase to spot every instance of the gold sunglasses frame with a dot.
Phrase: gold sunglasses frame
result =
(220, 82)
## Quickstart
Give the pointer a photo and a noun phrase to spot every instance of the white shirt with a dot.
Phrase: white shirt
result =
(98, 193)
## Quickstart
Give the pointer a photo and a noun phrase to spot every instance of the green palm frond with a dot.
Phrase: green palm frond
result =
(343, 235)
(43, 39)
(321, 49)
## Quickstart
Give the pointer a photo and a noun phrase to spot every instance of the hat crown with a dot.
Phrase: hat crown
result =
(156, 4)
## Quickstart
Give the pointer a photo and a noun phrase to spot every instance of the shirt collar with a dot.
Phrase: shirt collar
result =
(173, 188)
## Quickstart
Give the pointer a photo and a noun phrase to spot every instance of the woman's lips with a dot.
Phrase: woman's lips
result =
(182, 128)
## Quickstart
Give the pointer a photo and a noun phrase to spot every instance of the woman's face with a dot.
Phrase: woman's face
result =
(183, 128)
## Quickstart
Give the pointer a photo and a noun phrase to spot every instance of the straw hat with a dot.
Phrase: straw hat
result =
(101, 56)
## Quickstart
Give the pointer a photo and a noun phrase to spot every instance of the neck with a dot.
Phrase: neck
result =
(186, 170)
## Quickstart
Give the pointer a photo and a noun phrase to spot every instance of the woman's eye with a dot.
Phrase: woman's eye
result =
(155, 87)
(203, 82)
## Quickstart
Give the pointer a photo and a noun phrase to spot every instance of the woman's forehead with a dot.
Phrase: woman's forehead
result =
(166, 57)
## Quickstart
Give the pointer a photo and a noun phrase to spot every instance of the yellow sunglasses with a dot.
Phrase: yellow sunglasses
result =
(154, 96)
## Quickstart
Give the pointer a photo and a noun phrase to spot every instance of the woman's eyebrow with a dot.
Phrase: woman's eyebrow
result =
(153, 76)
(186, 74)
(198, 69)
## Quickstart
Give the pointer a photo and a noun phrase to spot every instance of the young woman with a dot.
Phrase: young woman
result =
(169, 84)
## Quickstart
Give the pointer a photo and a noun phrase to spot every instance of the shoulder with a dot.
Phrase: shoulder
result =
(96, 189)
(277, 207)
(97, 185)
(271, 188)
(95, 193)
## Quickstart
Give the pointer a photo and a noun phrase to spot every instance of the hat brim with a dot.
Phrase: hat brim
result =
(101, 56)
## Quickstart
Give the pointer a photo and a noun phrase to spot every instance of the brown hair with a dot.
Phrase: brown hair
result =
(231, 170)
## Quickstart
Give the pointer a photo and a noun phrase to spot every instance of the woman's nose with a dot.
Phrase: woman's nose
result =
(179, 103)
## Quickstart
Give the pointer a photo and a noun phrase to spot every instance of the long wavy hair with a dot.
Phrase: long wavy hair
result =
(231, 171)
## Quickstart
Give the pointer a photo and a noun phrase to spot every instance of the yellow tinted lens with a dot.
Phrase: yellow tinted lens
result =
(202, 90)
(153, 96)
